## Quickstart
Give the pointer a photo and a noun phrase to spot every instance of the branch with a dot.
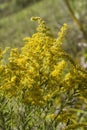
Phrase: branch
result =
(76, 19)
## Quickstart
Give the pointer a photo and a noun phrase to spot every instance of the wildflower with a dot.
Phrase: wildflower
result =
(41, 68)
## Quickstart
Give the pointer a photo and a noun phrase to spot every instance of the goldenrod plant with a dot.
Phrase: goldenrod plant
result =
(45, 82)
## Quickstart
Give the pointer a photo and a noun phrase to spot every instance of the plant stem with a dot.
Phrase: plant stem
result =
(76, 19)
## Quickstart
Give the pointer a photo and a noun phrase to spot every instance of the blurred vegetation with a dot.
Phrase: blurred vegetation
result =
(8, 7)
(15, 21)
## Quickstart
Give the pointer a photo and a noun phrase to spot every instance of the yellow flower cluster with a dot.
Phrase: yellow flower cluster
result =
(41, 69)
(62, 34)
(58, 69)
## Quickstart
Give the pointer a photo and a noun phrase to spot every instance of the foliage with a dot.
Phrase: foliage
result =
(9, 7)
(45, 83)
(24, 3)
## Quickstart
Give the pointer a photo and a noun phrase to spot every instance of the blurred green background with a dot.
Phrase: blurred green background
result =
(15, 23)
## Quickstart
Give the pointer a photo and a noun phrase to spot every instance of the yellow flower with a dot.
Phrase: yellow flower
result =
(62, 34)
(52, 116)
(58, 69)
(38, 70)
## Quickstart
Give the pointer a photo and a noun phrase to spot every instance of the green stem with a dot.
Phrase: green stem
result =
(76, 19)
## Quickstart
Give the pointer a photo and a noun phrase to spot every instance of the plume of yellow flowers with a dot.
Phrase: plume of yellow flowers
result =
(42, 70)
